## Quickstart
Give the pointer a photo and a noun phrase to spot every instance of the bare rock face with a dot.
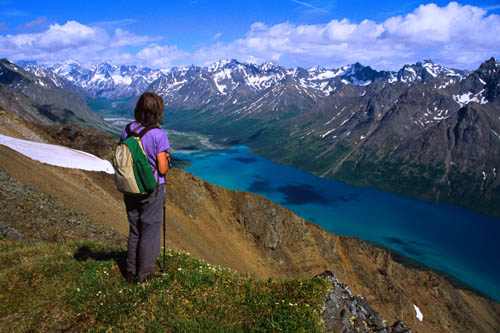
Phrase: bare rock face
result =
(346, 313)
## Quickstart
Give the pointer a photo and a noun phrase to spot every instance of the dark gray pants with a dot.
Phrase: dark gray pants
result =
(144, 240)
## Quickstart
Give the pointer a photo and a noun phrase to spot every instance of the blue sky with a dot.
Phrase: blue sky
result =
(160, 34)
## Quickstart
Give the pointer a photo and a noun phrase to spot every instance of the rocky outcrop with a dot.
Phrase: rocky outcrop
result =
(346, 313)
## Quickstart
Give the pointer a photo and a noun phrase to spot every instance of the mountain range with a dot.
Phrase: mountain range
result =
(426, 131)
(223, 77)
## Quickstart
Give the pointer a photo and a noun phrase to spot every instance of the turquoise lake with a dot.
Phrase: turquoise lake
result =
(459, 242)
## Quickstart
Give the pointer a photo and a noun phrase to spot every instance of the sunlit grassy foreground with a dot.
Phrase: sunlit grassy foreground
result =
(79, 286)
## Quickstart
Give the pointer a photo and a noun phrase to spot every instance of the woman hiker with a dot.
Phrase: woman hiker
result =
(144, 212)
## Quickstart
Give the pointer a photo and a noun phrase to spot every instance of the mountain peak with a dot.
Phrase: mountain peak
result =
(218, 65)
(270, 65)
(6, 61)
(105, 64)
(354, 68)
(71, 62)
(24, 63)
(425, 62)
(491, 64)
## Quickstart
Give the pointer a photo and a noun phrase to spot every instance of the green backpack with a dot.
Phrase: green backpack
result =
(133, 172)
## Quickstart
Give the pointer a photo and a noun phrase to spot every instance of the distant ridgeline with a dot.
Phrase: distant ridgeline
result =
(426, 131)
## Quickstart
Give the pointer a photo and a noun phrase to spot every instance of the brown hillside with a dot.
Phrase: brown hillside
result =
(251, 234)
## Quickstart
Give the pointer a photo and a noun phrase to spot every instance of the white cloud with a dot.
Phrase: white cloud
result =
(72, 40)
(432, 24)
(161, 56)
(125, 38)
(454, 35)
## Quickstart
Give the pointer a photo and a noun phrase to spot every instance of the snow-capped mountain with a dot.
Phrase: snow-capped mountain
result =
(60, 81)
(71, 70)
(229, 86)
(107, 80)
(421, 71)
(227, 77)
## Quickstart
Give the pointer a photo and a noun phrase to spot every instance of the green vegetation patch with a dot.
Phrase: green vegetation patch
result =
(80, 286)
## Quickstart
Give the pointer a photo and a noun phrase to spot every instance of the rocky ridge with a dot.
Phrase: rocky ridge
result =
(101, 80)
(43, 97)
(225, 77)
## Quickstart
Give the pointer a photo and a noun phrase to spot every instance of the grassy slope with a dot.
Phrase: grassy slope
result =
(79, 286)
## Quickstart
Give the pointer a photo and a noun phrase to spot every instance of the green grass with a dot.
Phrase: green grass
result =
(80, 287)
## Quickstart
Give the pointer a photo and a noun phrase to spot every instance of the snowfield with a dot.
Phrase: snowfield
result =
(57, 155)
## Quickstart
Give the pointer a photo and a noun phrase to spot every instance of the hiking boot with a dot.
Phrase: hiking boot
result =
(147, 278)
(131, 278)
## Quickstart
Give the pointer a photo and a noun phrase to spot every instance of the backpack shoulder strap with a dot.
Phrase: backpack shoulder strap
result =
(145, 130)
(129, 131)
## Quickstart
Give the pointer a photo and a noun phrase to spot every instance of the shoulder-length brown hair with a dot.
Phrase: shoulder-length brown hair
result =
(149, 109)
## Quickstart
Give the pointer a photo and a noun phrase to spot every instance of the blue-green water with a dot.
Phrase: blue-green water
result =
(447, 238)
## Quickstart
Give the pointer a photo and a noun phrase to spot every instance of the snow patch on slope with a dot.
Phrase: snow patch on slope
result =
(57, 155)
(465, 99)
(420, 316)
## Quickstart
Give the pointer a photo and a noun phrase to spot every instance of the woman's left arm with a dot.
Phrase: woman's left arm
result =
(162, 161)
